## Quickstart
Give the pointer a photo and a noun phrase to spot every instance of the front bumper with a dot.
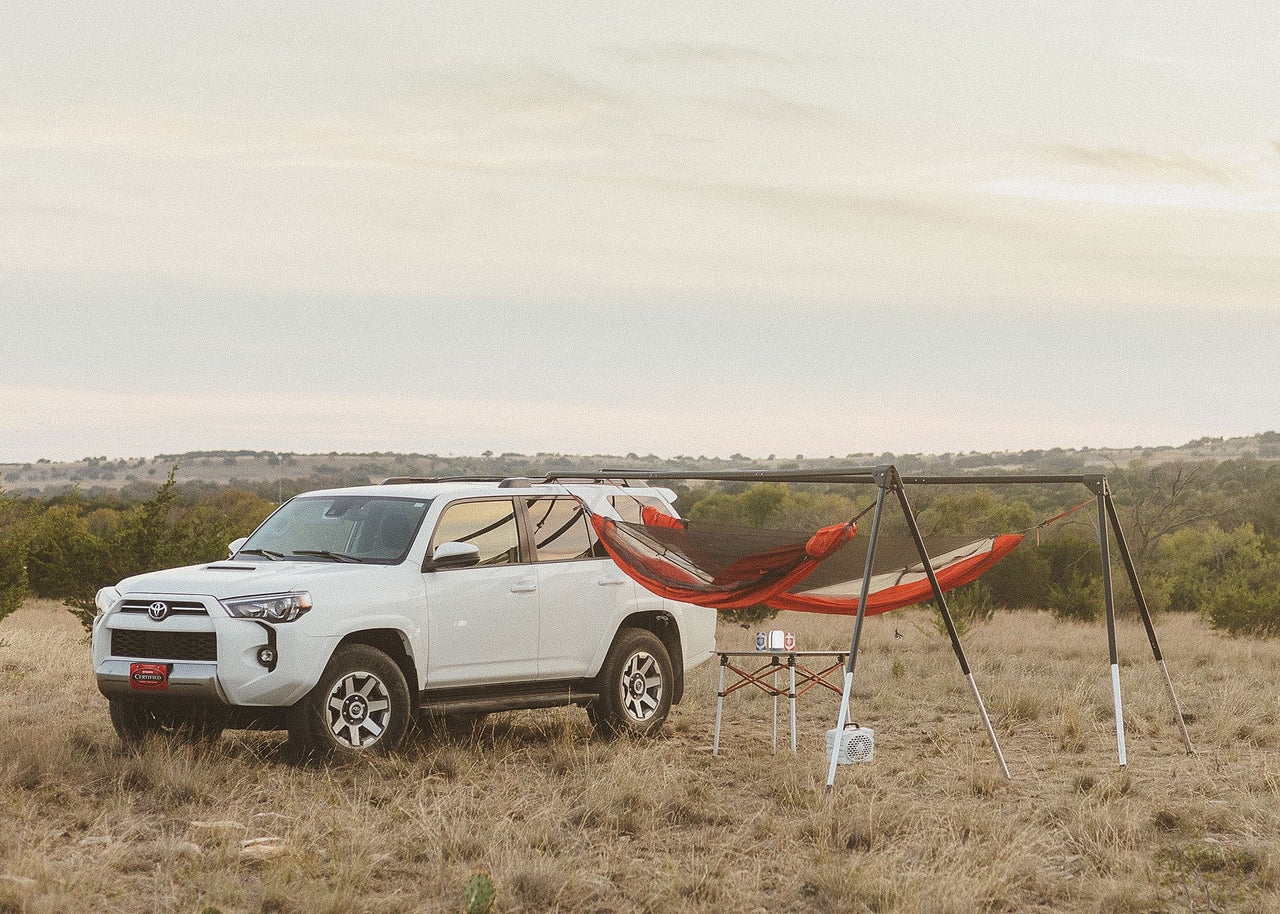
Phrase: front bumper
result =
(233, 675)
(187, 679)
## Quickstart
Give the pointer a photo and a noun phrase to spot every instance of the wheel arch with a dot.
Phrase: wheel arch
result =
(664, 625)
(395, 644)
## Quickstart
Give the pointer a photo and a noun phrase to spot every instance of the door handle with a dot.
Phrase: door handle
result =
(609, 582)
(524, 587)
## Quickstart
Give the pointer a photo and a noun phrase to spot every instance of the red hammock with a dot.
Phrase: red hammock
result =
(747, 582)
(725, 568)
(909, 586)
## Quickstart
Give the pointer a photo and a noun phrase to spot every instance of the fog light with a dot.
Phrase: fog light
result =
(267, 656)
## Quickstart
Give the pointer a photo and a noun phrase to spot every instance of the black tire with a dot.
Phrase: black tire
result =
(635, 683)
(360, 706)
(134, 720)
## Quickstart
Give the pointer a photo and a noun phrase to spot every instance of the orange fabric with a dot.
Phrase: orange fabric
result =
(652, 517)
(826, 541)
(732, 589)
(963, 572)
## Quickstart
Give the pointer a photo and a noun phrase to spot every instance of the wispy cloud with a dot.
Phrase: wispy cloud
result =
(770, 107)
(1148, 195)
(698, 52)
(1144, 164)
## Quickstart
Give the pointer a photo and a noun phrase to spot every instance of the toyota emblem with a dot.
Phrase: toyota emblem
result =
(158, 611)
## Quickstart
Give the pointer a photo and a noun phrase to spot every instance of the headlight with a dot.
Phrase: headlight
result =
(106, 598)
(278, 607)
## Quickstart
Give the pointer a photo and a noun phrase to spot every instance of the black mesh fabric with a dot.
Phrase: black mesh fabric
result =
(708, 549)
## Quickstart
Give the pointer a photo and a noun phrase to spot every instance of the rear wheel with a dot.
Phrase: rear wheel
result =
(635, 686)
(360, 705)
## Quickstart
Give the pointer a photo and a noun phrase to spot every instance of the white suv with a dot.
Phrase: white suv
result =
(348, 612)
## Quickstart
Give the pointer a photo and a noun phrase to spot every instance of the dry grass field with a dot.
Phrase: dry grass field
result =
(567, 823)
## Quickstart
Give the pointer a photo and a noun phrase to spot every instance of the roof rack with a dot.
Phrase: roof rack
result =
(514, 482)
(407, 480)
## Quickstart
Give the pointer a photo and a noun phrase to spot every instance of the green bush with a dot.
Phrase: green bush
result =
(1079, 598)
(75, 549)
(1232, 577)
(14, 545)
(969, 606)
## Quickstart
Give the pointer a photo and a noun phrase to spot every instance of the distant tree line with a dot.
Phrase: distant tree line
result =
(1205, 535)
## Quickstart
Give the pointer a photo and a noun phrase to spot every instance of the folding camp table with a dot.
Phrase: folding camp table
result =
(765, 678)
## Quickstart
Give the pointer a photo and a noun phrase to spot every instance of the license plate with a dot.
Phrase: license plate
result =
(153, 676)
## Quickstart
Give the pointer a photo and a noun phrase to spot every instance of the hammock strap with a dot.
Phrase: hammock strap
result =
(1056, 517)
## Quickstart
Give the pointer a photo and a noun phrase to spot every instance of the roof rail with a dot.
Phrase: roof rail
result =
(510, 482)
(405, 480)
(594, 479)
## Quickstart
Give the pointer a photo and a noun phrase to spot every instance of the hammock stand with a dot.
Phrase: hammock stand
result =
(888, 480)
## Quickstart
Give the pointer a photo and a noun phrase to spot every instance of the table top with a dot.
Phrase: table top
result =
(781, 653)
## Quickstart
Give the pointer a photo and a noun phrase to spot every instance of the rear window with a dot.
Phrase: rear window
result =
(628, 507)
(561, 531)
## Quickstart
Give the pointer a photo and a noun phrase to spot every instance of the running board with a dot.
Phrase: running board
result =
(514, 697)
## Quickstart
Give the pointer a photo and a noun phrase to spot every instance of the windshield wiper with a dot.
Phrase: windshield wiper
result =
(325, 553)
(269, 553)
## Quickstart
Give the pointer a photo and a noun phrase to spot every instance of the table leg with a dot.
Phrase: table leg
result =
(773, 682)
(791, 697)
(715, 745)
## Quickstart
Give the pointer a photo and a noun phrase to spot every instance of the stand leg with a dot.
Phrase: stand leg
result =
(951, 627)
(1104, 540)
(715, 745)
(843, 717)
(1132, 571)
(986, 722)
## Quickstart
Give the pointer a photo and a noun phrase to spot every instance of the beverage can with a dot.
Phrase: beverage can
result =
(789, 641)
(762, 641)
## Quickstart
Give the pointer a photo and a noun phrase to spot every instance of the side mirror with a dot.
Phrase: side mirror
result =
(454, 555)
(234, 546)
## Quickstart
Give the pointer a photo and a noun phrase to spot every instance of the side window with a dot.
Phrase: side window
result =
(490, 525)
(561, 530)
(628, 506)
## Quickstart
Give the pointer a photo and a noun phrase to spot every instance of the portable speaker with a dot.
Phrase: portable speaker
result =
(857, 744)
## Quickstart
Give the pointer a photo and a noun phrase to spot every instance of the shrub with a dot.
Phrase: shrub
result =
(14, 537)
(72, 554)
(1231, 577)
(1079, 598)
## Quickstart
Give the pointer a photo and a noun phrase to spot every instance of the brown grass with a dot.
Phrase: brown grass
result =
(567, 823)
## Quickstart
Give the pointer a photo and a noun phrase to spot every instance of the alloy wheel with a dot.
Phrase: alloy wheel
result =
(359, 708)
(641, 686)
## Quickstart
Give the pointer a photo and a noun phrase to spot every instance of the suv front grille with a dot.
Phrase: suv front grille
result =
(176, 607)
(156, 645)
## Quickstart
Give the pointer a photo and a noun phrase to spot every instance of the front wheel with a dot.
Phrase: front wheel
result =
(360, 705)
(635, 686)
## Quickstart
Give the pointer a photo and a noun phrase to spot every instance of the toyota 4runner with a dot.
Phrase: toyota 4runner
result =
(349, 612)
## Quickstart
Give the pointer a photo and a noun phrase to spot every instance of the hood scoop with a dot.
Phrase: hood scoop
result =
(236, 567)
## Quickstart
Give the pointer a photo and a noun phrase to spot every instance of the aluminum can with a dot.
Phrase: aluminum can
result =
(762, 641)
(789, 641)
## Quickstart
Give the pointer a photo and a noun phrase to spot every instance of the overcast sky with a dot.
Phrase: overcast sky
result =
(679, 228)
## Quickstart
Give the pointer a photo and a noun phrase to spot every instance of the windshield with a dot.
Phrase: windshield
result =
(339, 528)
